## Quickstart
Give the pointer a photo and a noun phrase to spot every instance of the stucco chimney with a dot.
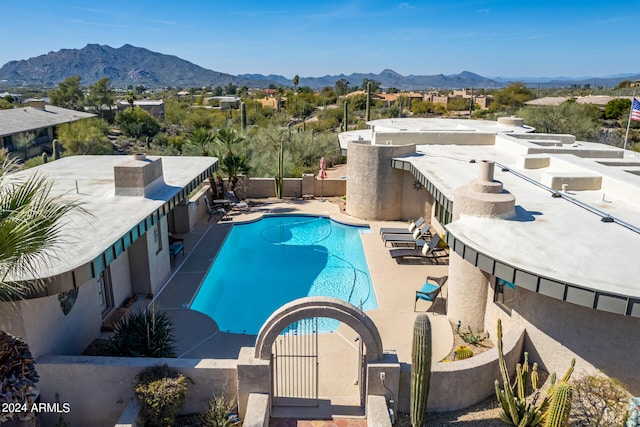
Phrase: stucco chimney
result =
(138, 176)
(37, 103)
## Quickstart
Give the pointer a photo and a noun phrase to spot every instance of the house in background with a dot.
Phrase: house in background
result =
(28, 131)
(155, 107)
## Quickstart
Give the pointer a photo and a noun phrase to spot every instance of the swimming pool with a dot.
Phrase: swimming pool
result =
(265, 264)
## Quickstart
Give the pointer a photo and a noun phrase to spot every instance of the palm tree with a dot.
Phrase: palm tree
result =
(31, 220)
(230, 163)
(201, 138)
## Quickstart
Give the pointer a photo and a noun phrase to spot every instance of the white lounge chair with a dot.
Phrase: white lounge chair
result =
(404, 230)
(429, 251)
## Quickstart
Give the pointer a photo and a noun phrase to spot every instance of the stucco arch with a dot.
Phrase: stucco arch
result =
(319, 307)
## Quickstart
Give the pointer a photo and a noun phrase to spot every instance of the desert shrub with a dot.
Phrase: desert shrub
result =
(143, 334)
(598, 401)
(220, 412)
(161, 392)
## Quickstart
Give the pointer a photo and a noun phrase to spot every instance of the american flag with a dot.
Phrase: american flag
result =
(635, 112)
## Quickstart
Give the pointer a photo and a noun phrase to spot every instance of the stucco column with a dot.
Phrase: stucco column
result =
(374, 188)
(468, 285)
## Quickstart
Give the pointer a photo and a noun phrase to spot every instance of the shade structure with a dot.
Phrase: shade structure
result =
(323, 175)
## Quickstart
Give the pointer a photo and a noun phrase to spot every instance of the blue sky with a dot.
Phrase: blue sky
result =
(314, 38)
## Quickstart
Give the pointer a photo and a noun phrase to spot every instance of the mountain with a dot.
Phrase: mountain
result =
(127, 65)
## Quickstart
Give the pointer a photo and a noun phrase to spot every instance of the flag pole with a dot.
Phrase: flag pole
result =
(626, 136)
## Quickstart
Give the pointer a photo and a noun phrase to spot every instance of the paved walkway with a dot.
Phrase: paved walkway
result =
(395, 284)
(336, 422)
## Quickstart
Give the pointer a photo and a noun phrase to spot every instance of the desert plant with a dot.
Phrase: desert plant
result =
(471, 337)
(519, 400)
(558, 413)
(161, 392)
(462, 352)
(243, 116)
(420, 369)
(599, 401)
(345, 117)
(143, 334)
(17, 378)
(220, 412)
(56, 149)
(45, 158)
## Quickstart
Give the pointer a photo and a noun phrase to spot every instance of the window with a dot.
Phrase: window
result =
(442, 214)
(105, 292)
(504, 294)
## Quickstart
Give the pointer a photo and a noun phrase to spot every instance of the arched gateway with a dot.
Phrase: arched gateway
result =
(257, 367)
(319, 307)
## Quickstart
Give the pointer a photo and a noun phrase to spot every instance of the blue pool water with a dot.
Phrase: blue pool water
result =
(265, 264)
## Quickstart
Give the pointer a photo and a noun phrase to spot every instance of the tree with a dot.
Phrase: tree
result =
(617, 109)
(576, 119)
(68, 95)
(342, 87)
(88, 136)
(100, 96)
(231, 163)
(296, 80)
(30, 230)
(375, 85)
(136, 122)
(512, 97)
(130, 96)
(201, 138)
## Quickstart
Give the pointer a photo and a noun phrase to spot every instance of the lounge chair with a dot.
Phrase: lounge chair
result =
(214, 210)
(429, 251)
(413, 239)
(235, 202)
(403, 230)
(430, 291)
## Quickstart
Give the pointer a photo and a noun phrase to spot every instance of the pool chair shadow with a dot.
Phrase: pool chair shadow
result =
(430, 291)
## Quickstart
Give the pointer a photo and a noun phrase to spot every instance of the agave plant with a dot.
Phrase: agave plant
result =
(17, 377)
(143, 334)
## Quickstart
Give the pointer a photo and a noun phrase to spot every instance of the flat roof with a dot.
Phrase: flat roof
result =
(561, 238)
(25, 119)
(90, 181)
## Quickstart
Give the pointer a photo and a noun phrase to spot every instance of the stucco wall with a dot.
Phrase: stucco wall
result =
(42, 324)
(445, 138)
(372, 189)
(463, 383)
(120, 279)
(558, 331)
(415, 203)
(103, 386)
(292, 187)
(159, 262)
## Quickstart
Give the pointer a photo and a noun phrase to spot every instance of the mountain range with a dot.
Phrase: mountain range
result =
(129, 65)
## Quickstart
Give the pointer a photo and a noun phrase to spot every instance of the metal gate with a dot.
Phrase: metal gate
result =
(295, 365)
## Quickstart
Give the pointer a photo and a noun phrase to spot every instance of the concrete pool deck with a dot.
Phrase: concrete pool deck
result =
(395, 284)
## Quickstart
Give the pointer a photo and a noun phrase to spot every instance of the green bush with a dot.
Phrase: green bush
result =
(143, 334)
(220, 412)
(161, 392)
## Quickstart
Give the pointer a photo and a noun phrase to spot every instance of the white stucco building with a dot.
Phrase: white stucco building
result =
(118, 248)
(544, 230)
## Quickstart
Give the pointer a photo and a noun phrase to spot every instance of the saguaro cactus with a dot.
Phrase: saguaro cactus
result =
(420, 369)
(345, 117)
(56, 149)
(368, 112)
(560, 407)
(243, 116)
(45, 158)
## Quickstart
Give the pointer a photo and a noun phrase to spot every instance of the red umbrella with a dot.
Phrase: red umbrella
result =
(323, 174)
